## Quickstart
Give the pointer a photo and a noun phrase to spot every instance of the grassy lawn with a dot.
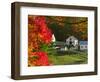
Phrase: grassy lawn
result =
(68, 58)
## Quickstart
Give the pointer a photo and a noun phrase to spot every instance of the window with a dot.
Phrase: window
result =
(81, 46)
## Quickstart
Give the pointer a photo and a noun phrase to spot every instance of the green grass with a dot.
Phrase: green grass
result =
(68, 58)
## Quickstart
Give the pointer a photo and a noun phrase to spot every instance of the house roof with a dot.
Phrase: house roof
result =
(72, 37)
(83, 42)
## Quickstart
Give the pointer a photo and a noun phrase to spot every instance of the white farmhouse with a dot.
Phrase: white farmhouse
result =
(72, 40)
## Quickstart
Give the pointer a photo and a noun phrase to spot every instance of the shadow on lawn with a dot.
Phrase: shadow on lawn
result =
(70, 52)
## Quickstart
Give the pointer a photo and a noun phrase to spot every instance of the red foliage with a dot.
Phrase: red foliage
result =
(38, 34)
(42, 59)
(45, 33)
